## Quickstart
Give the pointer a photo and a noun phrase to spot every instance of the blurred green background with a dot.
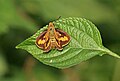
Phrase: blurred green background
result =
(19, 19)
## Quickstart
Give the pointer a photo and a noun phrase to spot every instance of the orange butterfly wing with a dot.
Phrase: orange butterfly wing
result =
(43, 41)
(62, 37)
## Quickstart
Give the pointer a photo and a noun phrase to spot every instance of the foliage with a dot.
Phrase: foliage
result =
(21, 18)
(85, 44)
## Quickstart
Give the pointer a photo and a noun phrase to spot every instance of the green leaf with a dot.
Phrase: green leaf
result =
(85, 43)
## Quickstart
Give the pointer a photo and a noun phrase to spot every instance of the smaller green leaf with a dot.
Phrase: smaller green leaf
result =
(85, 43)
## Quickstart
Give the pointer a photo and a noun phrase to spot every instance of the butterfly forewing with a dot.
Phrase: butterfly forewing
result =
(41, 40)
(62, 37)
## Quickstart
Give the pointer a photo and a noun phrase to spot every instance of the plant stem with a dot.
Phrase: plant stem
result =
(110, 52)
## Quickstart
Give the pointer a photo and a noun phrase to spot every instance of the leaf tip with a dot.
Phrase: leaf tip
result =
(17, 47)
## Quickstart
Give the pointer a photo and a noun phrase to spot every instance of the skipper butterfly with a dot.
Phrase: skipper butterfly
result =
(52, 38)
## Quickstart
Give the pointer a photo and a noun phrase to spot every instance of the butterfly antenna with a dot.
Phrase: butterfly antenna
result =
(57, 19)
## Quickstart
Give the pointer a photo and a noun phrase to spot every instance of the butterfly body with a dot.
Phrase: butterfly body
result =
(52, 38)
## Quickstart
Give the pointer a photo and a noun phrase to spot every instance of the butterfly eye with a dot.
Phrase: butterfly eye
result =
(50, 28)
(52, 40)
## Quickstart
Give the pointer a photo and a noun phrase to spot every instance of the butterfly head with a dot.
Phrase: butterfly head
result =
(51, 28)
